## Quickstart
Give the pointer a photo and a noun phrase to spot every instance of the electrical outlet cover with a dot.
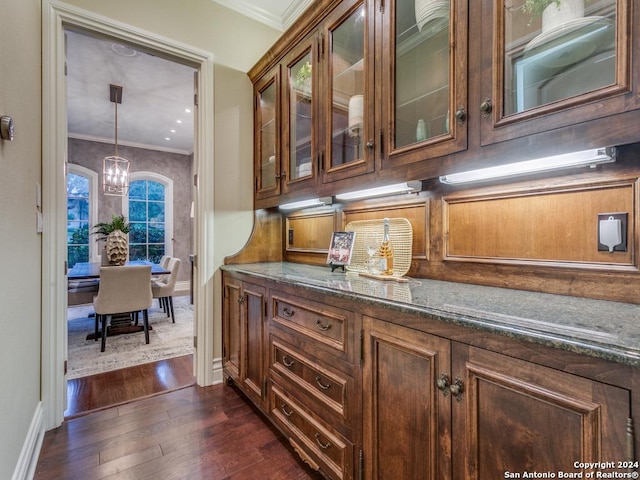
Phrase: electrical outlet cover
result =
(608, 236)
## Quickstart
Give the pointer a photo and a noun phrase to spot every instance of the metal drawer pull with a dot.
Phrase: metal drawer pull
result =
(284, 410)
(321, 385)
(322, 327)
(323, 446)
(457, 388)
(287, 312)
(287, 361)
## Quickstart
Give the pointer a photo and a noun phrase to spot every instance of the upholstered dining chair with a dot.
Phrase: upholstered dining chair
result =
(123, 289)
(163, 289)
(164, 263)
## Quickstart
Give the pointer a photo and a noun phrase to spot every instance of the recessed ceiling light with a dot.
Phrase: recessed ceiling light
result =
(188, 110)
(173, 130)
(178, 121)
(123, 50)
(167, 138)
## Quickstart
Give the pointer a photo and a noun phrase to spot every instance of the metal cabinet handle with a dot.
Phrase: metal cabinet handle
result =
(461, 115)
(456, 389)
(322, 385)
(241, 299)
(443, 384)
(370, 144)
(287, 312)
(323, 446)
(284, 409)
(322, 327)
(287, 362)
(486, 107)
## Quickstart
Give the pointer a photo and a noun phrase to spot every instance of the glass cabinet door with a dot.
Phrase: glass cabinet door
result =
(422, 90)
(348, 112)
(267, 154)
(300, 105)
(555, 55)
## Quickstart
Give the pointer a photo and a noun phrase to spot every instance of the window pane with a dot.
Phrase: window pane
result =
(138, 190)
(156, 191)
(137, 211)
(156, 212)
(156, 233)
(155, 253)
(138, 233)
(146, 214)
(137, 252)
(77, 254)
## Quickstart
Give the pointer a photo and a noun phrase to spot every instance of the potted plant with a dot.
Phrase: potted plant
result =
(554, 12)
(115, 233)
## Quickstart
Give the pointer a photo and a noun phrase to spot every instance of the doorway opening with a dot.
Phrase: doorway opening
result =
(57, 20)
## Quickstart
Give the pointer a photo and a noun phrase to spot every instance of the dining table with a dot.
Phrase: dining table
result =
(87, 270)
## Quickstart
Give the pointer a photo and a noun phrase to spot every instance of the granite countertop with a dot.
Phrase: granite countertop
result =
(603, 329)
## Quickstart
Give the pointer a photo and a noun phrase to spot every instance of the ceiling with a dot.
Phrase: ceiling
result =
(156, 92)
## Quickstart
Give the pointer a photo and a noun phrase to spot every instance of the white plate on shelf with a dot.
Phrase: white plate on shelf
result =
(572, 41)
(429, 12)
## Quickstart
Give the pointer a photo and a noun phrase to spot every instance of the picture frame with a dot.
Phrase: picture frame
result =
(341, 248)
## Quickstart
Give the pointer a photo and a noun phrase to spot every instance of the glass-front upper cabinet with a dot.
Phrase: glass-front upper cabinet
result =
(349, 139)
(552, 60)
(267, 128)
(422, 79)
(300, 104)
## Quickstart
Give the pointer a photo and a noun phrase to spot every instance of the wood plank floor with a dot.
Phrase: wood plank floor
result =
(191, 433)
(112, 388)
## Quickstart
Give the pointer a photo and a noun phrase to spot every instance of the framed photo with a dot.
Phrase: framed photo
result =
(341, 248)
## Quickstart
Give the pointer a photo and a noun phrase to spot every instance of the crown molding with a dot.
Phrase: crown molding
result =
(92, 138)
(251, 10)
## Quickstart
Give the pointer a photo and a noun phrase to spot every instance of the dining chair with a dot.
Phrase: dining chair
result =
(123, 289)
(164, 263)
(163, 289)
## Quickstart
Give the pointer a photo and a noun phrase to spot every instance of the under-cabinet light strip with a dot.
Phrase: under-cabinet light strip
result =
(406, 187)
(584, 158)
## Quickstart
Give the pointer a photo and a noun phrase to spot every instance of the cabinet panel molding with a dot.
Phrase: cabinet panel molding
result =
(553, 227)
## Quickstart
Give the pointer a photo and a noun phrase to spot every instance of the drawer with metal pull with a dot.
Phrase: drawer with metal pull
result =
(323, 323)
(332, 389)
(317, 444)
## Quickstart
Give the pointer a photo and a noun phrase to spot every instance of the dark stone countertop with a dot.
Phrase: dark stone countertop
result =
(602, 329)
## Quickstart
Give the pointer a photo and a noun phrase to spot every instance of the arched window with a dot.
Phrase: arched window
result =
(150, 213)
(81, 213)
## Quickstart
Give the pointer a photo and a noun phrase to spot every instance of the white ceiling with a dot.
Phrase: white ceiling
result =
(156, 92)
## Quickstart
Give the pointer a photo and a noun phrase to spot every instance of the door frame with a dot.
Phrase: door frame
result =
(55, 17)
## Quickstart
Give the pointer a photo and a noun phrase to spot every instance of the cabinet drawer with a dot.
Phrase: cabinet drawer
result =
(330, 388)
(323, 323)
(318, 445)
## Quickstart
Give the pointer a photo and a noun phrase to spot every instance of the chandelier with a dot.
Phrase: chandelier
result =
(115, 169)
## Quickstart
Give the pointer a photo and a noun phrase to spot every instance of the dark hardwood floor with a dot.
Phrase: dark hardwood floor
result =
(107, 389)
(211, 433)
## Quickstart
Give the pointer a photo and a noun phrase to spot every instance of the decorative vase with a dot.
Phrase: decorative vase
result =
(117, 247)
(554, 15)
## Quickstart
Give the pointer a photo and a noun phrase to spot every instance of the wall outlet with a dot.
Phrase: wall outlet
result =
(612, 230)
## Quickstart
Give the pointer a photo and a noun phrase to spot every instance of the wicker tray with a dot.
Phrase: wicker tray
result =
(400, 235)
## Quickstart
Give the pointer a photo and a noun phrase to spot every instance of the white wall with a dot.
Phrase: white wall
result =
(20, 247)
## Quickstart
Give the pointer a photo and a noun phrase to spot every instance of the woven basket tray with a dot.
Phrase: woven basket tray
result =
(400, 235)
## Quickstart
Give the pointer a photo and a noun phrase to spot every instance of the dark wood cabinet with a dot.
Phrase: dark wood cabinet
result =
(409, 90)
(540, 74)
(407, 426)
(267, 128)
(438, 409)
(244, 337)
(361, 390)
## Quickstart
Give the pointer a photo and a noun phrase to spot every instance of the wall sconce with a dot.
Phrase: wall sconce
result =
(312, 202)
(407, 187)
(584, 158)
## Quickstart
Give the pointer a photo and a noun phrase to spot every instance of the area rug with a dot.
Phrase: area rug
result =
(166, 340)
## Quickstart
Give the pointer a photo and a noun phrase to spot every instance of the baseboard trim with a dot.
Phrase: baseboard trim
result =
(28, 460)
(217, 370)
